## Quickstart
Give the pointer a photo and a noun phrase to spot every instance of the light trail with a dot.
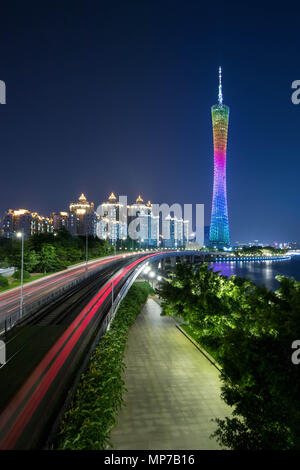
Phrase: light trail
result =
(25, 402)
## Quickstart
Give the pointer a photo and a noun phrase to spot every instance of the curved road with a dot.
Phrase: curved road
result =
(30, 410)
(36, 290)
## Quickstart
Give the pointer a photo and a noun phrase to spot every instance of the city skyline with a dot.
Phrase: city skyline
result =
(59, 219)
(114, 220)
(132, 114)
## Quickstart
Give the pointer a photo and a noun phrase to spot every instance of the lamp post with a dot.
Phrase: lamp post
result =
(21, 235)
(152, 275)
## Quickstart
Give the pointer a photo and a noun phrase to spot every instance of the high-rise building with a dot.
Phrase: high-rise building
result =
(175, 232)
(219, 226)
(147, 224)
(82, 217)
(22, 220)
(186, 232)
(60, 220)
(16, 221)
(111, 225)
(40, 224)
(182, 232)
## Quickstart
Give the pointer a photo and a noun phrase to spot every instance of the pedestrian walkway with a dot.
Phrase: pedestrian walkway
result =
(173, 390)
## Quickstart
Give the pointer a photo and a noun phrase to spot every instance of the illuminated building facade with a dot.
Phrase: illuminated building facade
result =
(22, 220)
(116, 218)
(40, 224)
(175, 232)
(147, 223)
(219, 226)
(60, 220)
(111, 227)
(82, 217)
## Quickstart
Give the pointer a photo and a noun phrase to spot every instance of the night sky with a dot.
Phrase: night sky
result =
(115, 96)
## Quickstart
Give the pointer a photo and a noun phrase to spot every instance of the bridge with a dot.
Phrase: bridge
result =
(47, 349)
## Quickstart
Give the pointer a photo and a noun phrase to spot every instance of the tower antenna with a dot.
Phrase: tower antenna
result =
(220, 96)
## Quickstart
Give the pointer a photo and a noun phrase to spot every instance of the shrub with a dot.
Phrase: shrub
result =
(17, 275)
(249, 330)
(3, 281)
(99, 396)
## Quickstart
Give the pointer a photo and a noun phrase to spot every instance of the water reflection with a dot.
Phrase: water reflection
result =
(261, 272)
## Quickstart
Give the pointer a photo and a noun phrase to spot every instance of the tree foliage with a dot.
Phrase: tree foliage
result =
(51, 252)
(251, 330)
(3, 281)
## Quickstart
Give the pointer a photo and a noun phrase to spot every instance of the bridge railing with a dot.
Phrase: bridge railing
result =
(29, 309)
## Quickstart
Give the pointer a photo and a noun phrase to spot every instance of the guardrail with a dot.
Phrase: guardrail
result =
(10, 321)
(252, 258)
(128, 283)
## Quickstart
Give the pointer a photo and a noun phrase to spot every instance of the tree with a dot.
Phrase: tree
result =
(17, 274)
(49, 260)
(250, 330)
(31, 260)
(3, 281)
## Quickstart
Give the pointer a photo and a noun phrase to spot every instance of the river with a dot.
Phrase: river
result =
(261, 272)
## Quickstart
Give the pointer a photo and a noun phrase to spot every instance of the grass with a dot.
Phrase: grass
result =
(15, 282)
(99, 396)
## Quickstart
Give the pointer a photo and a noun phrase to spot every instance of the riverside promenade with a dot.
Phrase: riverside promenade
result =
(173, 390)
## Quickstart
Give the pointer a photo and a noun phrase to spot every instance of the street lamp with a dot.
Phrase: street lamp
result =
(123, 243)
(152, 275)
(21, 235)
(146, 269)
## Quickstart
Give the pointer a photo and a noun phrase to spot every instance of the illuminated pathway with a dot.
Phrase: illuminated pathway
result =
(173, 391)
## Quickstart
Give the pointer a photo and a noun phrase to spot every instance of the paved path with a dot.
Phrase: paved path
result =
(173, 391)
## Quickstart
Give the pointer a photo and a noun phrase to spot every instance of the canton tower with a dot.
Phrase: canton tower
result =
(219, 226)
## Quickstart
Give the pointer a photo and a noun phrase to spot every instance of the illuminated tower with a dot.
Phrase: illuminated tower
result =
(219, 226)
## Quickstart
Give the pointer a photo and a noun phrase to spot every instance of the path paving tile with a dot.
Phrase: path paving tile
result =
(173, 390)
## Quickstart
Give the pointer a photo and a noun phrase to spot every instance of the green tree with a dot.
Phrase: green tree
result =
(17, 274)
(49, 261)
(3, 281)
(251, 331)
(31, 260)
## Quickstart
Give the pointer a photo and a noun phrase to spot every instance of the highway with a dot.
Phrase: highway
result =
(46, 350)
(36, 290)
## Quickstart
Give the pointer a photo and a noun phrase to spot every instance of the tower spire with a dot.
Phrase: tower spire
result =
(220, 96)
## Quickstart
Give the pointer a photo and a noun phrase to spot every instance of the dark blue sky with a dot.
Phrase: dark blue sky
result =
(115, 96)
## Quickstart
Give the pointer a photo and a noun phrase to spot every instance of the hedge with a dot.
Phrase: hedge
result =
(99, 396)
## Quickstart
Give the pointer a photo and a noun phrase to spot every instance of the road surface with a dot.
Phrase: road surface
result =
(46, 351)
(36, 290)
